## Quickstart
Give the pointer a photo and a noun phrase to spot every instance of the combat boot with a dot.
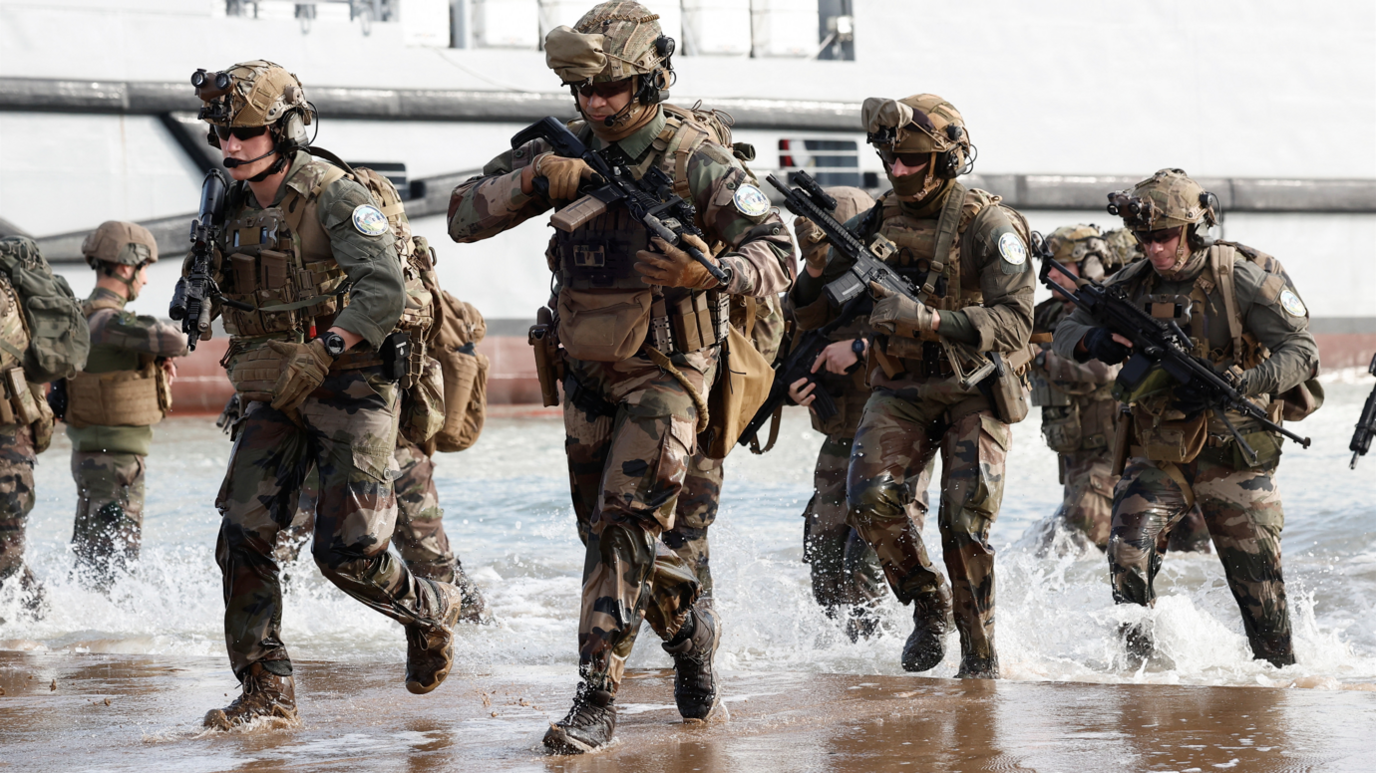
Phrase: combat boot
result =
(266, 695)
(1138, 643)
(430, 646)
(975, 667)
(1277, 650)
(589, 724)
(924, 648)
(695, 676)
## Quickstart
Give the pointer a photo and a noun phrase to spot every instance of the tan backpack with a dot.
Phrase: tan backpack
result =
(460, 372)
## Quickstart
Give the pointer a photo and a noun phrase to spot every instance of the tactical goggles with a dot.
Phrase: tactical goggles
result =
(908, 159)
(605, 90)
(1159, 236)
(239, 132)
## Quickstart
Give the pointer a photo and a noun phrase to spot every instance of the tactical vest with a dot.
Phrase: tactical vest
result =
(1162, 433)
(280, 261)
(605, 311)
(136, 397)
(928, 255)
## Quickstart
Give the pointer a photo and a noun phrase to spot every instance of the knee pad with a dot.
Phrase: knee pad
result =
(878, 499)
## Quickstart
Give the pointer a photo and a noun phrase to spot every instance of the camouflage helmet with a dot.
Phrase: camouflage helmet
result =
(1081, 245)
(614, 41)
(256, 93)
(922, 123)
(849, 201)
(115, 241)
(1167, 199)
(1123, 248)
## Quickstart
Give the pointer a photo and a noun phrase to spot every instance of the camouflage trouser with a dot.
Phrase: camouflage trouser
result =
(1242, 510)
(630, 438)
(695, 512)
(17, 458)
(109, 512)
(845, 570)
(347, 429)
(1087, 499)
(897, 438)
(419, 535)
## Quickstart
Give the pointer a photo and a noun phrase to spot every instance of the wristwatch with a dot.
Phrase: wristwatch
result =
(334, 344)
(858, 346)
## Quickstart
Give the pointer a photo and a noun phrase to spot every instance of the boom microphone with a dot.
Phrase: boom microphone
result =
(231, 163)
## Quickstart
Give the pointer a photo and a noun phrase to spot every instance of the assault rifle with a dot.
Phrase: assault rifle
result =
(809, 200)
(1366, 425)
(1155, 342)
(651, 199)
(190, 299)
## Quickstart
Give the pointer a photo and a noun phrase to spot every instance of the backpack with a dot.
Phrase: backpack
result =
(59, 336)
(458, 329)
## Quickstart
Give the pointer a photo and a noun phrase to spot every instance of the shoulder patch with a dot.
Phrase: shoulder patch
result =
(751, 201)
(369, 220)
(1012, 249)
(1292, 304)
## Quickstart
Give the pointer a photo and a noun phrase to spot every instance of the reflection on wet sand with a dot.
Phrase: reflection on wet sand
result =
(358, 717)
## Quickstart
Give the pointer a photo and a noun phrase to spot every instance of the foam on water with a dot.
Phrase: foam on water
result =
(507, 514)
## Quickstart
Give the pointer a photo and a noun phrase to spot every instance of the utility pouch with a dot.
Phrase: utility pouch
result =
(1061, 428)
(422, 407)
(20, 398)
(1171, 440)
(1301, 400)
(1008, 392)
(396, 355)
(603, 325)
(254, 372)
(43, 427)
(549, 366)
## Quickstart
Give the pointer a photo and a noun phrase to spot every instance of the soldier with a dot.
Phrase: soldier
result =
(307, 250)
(26, 422)
(114, 401)
(631, 410)
(1078, 408)
(847, 581)
(1250, 324)
(968, 255)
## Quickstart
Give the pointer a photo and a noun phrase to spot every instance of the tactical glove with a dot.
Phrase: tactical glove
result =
(899, 314)
(813, 242)
(1101, 346)
(303, 369)
(673, 267)
(563, 174)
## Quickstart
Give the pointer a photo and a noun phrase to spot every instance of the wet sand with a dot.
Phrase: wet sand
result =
(72, 712)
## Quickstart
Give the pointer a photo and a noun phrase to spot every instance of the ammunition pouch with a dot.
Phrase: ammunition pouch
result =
(599, 254)
(18, 405)
(603, 325)
(1083, 425)
(690, 323)
(120, 398)
(422, 407)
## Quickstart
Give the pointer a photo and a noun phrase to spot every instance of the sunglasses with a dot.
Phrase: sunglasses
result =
(1159, 236)
(604, 90)
(239, 132)
(908, 159)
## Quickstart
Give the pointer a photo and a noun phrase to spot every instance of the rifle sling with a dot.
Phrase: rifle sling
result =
(945, 239)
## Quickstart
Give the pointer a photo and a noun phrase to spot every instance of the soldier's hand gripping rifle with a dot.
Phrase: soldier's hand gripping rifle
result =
(194, 292)
(1155, 342)
(651, 199)
(809, 200)
(1366, 425)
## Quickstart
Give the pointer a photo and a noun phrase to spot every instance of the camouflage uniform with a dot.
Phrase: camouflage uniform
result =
(346, 428)
(108, 459)
(17, 458)
(630, 425)
(1180, 454)
(419, 536)
(918, 408)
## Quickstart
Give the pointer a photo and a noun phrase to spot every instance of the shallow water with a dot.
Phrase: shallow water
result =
(508, 516)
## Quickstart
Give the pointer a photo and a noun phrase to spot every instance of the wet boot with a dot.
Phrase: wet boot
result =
(695, 677)
(1137, 641)
(266, 695)
(474, 605)
(1278, 650)
(924, 648)
(976, 667)
(589, 724)
(430, 646)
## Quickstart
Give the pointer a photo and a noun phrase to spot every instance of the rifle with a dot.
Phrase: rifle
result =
(1155, 342)
(651, 199)
(189, 299)
(1366, 425)
(869, 266)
